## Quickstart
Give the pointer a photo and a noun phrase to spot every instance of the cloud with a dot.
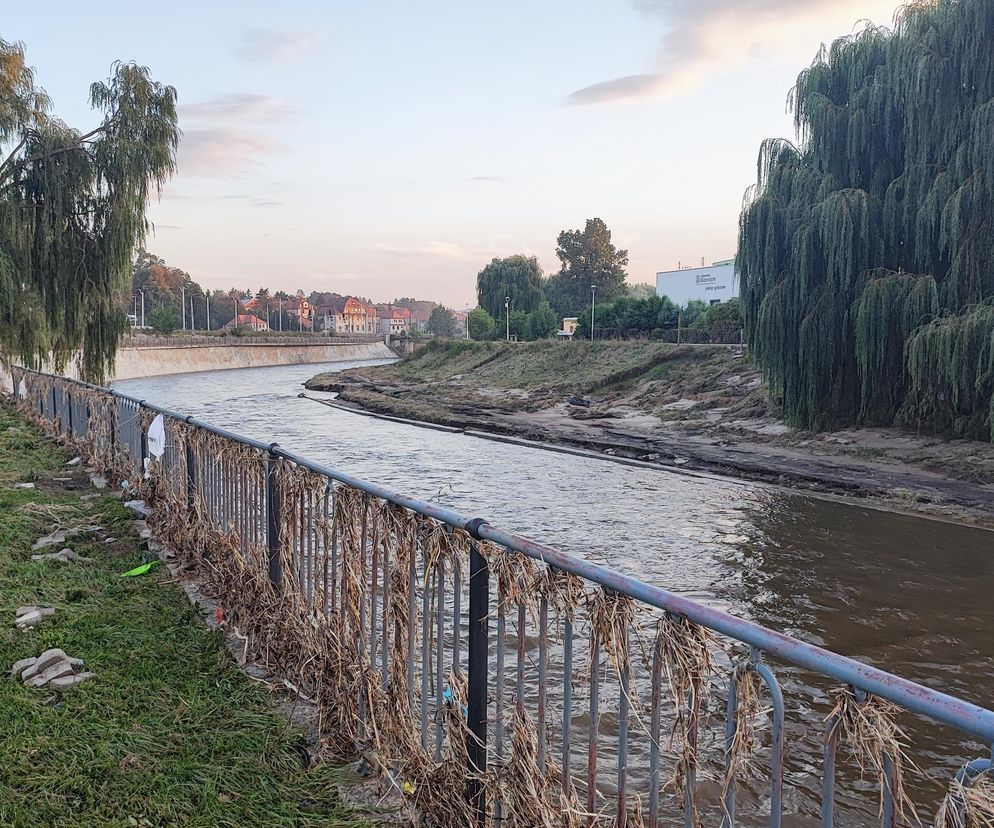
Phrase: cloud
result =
(274, 45)
(706, 37)
(265, 202)
(488, 178)
(430, 249)
(223, 152)
(241, 107)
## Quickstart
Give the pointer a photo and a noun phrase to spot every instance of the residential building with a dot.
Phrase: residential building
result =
(569, 327)
(247, 320)
(395, 321)
(347, 315)
(302, 310)
(419, 319)
(462, 324)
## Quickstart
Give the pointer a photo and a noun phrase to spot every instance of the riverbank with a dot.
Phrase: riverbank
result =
(168, 730)
(690, 407)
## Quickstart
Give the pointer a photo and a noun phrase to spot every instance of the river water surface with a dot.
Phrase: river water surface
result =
(906, 594)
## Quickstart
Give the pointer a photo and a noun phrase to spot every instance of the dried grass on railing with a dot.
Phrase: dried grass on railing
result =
(530, 798)
(969, 805)
(515, 574)
(612, 619)
(868, 728)
(563, 590)
(748, 713)
(686, 651)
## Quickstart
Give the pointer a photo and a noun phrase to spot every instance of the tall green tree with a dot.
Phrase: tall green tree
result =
(542, 322)
(481, 324)
(72, 210)
(866, 248)
(441, 322)
(588, 257)
(516, 277)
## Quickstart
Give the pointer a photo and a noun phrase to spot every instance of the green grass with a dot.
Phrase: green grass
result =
(580, 366)
(169, 732)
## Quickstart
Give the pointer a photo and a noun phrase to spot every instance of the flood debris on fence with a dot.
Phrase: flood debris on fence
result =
(569, 695)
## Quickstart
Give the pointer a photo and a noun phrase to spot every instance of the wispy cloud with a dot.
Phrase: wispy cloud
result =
(275, 45)
(242, 107)
(489, 178)
(706, 37)
(431, 249)
(223, 152)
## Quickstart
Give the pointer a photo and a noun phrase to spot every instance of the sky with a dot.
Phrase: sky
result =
(392, 149)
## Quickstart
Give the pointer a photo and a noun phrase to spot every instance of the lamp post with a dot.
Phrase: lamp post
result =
(207, 298)
(593, 292)
(507, 317)
(182, 305)
(142, 292)
(281, 316)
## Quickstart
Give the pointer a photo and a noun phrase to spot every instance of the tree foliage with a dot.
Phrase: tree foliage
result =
(516, 277)
(480, 324)
(72, 210)
(893, 175)
(163, 320)
(441, 322)
(542, 322)
(588, 257)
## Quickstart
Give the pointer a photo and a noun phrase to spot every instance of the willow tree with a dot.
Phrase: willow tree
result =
(72, 211)
(867, 248)
(517, 278)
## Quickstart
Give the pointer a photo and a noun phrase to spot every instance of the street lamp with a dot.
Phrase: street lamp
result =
(593, 292)
(142, 292)
(507, 317)
(207, 308)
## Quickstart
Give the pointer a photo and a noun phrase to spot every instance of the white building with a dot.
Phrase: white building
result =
(714, 284)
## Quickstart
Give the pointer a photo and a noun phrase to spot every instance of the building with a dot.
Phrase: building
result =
(347, 315)
(419, 319)
(569, 327)
(395, 321)
(247, 320)
(462, 324)
(714, 284)
(303, 311)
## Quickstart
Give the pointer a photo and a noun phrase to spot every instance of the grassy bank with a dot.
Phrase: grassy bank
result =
(169, 732)
(537, 373)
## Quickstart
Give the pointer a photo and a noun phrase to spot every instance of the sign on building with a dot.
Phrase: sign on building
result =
(717, 283)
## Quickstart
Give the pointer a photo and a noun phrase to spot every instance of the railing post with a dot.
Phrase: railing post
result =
(476, 695)
(68, 396)
(144, 439)
(191, 478)
(273, 522)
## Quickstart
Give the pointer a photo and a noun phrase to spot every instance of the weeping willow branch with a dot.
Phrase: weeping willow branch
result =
(73, 212)
(892, 175)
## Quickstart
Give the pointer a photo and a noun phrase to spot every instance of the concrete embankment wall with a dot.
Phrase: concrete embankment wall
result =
(150, 361)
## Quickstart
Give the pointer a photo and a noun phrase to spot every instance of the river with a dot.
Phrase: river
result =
(904, 593)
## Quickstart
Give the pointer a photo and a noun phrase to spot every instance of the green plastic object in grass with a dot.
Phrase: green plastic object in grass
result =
(140, 570)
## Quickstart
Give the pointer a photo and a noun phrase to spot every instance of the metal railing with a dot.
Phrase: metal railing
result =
(527, 652)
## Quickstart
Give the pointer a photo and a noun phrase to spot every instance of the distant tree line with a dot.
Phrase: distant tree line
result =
(516, 300)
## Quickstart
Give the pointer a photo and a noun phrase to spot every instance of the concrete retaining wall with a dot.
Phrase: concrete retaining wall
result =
(183, 359)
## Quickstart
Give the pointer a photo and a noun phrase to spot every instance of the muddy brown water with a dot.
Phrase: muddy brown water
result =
(903, 593)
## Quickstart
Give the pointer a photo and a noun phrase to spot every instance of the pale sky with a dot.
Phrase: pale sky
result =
(393, 148)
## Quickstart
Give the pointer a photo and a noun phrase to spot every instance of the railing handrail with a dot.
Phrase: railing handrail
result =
(935, 704)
